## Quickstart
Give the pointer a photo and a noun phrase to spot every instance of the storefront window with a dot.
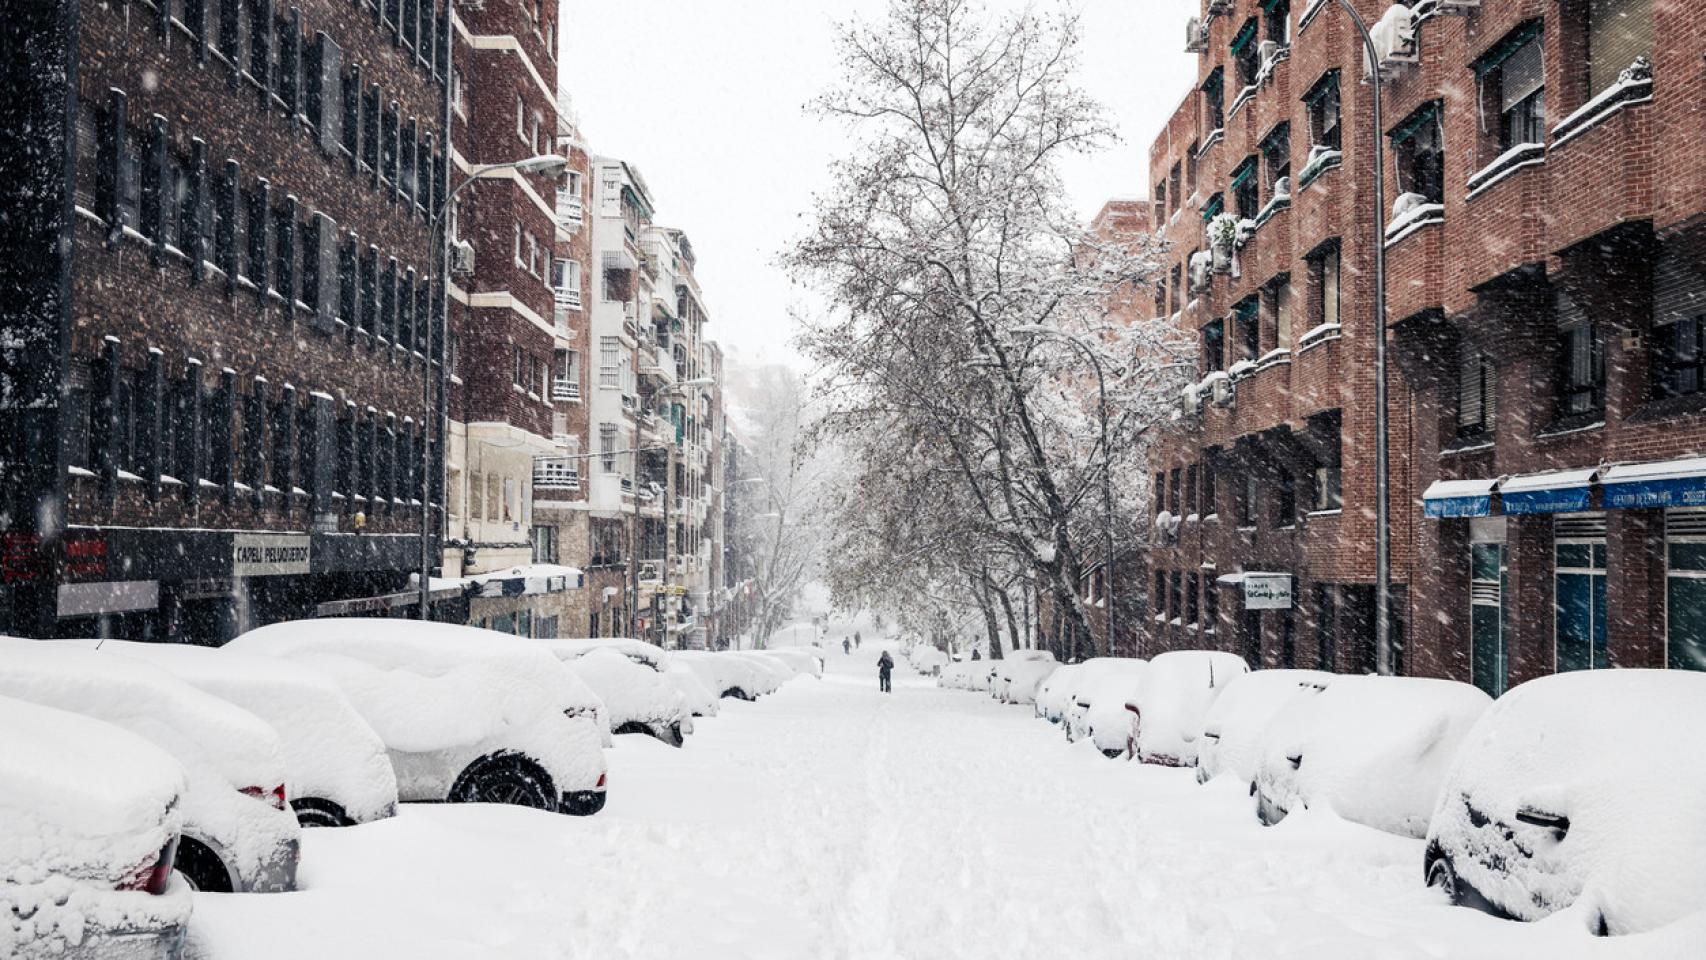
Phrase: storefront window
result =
(1579, 605)
(1685, 605)
(1487, 657)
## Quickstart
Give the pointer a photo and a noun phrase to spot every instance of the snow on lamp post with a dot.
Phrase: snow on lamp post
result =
(1384, 661)
(547, 164)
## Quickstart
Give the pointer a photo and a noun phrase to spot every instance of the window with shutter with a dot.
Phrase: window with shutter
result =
(1618, 32)
(283, 432)
(370, 290)
(231, 32)
(284, 250)
(1420, 152)
(323, 100)
(388, 301)
(1679, 324)
(1476, 393)
(351, 95)
(370, 127)
(1581, 346)
(289, 70)
(310, 249)
(406, 308)
(260, 41)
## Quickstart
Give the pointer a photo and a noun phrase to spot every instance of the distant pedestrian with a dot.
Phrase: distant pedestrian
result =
(856, 640)
(846, 648)
(885, 666)
(976, 655)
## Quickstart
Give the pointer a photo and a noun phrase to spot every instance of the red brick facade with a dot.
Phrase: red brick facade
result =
(1584, 219)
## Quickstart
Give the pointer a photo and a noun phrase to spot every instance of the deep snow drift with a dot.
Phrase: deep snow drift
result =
(830, 822)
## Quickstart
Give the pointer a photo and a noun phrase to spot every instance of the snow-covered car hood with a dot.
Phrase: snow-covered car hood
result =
(696, 696)
(637, 650)
(1375, 749)
(1100, 708)
(1021, 678)
(1601, 750)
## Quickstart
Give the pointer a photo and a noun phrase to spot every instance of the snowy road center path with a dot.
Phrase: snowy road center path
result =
(830, 821)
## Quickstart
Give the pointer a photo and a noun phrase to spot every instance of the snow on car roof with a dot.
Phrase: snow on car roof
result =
(630, 691)
(147, 701)
(634, 649)
(83, 775)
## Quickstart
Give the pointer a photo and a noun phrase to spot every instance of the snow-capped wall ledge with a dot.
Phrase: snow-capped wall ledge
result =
(1244, 96)
(1273, 358)
(1520, 156)
(1280, 201)
(1214, 136)
(1321, 159)
(1318, 335)
(1242, 368)
(1413, 218)
(1634, 86)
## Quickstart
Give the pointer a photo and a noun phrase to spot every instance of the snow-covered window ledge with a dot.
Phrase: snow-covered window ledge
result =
(1244, 96)
(1214, 137)
(1280, 202)
(1320, 161)
(1325, 333)
(1412, 220)
(1507, 163)
(1273, 358)
(1635, 86)
(1241, 369)
(1325, 513)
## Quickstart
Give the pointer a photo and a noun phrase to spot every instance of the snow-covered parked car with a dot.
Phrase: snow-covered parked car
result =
(1587, 784)
(1177, 691)
(926, 659)
(1374, 749)
(637, 698)
(966, 675)
(699, 699)
(1002, 673)
(778, 672)
(336, 766)
(1233, 731)
(730, 674)
(1098, 709)
(804, 662)
(1054, 694)
(238, 832)
(89, 822)
(467, 715)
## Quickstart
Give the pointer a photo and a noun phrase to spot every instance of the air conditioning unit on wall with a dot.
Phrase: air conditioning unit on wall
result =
(462, 257)
(1196, 36)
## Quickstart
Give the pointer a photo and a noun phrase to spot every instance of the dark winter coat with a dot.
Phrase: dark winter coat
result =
(885, 664)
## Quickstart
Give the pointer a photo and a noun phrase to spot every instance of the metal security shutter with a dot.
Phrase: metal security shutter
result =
(1579, 526)
(1685, 523)
(1618, 32)
(1679, 287)
(1521, 74)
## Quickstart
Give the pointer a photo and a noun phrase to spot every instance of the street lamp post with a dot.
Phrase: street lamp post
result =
(1385, 662)
(1107, 472)
(549, 164)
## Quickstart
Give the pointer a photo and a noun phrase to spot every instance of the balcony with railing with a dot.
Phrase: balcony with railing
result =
(571, 212)
(556, 473)
(565, 388)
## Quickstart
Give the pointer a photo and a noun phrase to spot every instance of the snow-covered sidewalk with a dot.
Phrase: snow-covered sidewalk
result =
(830, 821)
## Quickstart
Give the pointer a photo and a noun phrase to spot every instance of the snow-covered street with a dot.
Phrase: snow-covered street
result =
(830, 821)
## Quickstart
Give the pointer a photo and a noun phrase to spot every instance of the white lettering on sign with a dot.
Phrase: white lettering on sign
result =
(269, 554)
(1267, 591)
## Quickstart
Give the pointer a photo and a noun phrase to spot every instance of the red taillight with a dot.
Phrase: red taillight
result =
(152, 876)
(275, 796)
(600, 782)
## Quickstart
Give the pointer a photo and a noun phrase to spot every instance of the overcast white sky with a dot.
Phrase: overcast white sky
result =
(706, 97)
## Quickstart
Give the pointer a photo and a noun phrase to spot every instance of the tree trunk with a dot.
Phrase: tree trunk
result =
(1012, 622)
(990, 626)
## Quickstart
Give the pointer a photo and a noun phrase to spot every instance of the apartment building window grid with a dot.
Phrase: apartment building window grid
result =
(610, 362)
(1579, 601)
(1512, 80)
(607, 447)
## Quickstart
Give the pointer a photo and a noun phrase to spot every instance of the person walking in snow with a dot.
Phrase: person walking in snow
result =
(856, 640)
(846, 647)
(885, 666)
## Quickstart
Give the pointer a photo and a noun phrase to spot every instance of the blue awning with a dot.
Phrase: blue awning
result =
(1459, 498)
(1649, 486)
(1560, 491)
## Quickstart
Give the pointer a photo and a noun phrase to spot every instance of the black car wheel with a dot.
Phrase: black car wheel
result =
(1443, 875)
(505, 778)
(199, 865)
(583, 803)
(633, 726)
(319, 812)
(735, 693)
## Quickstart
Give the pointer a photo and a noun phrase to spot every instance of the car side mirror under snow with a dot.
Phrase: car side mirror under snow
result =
(1537, 817)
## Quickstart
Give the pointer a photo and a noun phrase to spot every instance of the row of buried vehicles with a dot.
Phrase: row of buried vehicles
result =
(1580, 791)
(125, 765)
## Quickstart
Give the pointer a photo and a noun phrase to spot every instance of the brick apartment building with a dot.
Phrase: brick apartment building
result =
(217, 311)
(505, 323)
(1545, 250)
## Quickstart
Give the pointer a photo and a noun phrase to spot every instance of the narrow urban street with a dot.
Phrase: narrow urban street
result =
(830, 821)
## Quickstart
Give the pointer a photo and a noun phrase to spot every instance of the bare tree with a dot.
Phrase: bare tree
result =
(968, 319)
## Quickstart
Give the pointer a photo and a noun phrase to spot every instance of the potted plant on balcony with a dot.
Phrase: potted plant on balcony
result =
(1222, 233)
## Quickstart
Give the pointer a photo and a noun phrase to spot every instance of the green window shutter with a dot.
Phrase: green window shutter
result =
(1427, 113)
(1501, 51)
(1245, 171)
(1329, 81)
(1245, 37)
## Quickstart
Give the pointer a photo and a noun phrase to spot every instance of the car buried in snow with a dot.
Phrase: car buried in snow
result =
(1374, 749)
(1579, 790)
(731, 674)
(1054, 694)
(638, 698)
(90, 817)
(238, 835)
(466, 715)
(1166, 714)
(1015, 677)
(1234, 727)
(336, 765)
(1098, 710)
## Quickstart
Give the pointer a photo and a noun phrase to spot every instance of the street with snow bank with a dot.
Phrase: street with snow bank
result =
(831, 821)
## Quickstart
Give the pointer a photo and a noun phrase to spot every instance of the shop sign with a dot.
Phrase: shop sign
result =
(207, 588)
(269, 554)
(123, 596)
(1267, 591)
(1653, 494)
